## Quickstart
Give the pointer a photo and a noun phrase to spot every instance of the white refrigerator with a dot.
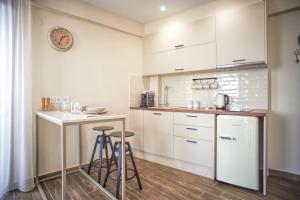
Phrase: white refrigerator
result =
(238, 150)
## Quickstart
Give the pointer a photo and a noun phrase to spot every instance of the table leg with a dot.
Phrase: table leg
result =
(36, 149)
(79, 144)
(63, 163)
(265, 157)
(37, 182)
(123, 160)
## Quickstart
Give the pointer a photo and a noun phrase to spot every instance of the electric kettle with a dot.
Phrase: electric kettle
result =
(221, 100)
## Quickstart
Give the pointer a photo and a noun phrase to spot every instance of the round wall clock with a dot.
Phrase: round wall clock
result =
(60, 38)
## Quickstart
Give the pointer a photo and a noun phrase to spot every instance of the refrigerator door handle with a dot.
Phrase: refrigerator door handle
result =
(227, 138)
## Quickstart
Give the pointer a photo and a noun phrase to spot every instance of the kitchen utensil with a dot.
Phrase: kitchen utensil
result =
(95, 109)
(189, 103)
(95, 112)
(196, 104)
(221, 100)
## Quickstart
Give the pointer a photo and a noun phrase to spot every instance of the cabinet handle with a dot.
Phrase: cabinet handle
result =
(179, 46)
(239, 60)
(227, 138)
(192, 116)
(179, 69)
(193, 129)
(156, 113)
(191, 141)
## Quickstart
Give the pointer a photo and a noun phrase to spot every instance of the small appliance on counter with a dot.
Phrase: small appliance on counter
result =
(147, 99)
(221, 101)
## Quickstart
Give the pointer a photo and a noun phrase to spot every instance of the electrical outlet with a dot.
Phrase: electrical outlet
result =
(65, 99)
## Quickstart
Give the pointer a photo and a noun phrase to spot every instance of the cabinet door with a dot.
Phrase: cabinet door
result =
(136, 125)
(158, 133)
(176, 35)
(193, 58)
(240, 36)
(198, 32)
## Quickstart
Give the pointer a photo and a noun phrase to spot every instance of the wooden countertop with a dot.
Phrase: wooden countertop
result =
(253, 112)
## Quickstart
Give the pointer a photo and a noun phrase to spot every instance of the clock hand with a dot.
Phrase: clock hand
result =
(62, 37)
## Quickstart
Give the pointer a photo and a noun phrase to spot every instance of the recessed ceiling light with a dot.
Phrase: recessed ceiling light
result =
(162, 8)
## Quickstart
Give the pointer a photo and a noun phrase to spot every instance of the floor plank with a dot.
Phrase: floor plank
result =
(162, 183)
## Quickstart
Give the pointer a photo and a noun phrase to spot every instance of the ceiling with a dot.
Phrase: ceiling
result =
(145, 10)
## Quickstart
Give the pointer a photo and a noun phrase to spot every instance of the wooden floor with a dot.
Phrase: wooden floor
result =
(164, 183)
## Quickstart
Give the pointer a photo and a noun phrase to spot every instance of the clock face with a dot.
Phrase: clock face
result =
(60, 38)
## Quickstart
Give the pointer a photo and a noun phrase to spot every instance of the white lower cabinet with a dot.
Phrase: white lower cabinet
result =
(195, 151)
(181, 140)
(158, 129)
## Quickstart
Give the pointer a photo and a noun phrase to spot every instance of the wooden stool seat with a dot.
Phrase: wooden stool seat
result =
(118, 134)
(103, 128)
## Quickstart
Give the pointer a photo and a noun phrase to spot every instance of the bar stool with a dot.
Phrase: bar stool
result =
(118, 148)
(102, 140)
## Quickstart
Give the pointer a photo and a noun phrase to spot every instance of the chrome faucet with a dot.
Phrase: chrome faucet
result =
(165, 96)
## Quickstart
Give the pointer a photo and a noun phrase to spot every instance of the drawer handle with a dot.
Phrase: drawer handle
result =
(179, 69)
(156, 113)
(191, 141)
(192, 116)
(227, 138)
(179, 46)
(239, 60)
(193, 129)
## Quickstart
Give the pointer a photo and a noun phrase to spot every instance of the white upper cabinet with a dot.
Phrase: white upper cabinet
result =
(181, 47)
(240, 35)
(177, 35)
(192, 58)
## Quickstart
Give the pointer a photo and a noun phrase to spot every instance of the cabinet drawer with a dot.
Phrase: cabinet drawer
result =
(195, 132)
(194, 119)
(195, 151)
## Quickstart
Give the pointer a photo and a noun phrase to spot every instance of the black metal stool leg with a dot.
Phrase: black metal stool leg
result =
(126, 174)
(111, 146)
(110, 164)
(100, 158)
(119, 170)
(134, 167)
(106, 152)
(92, 158)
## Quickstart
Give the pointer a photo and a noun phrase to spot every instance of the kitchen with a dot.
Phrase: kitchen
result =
(176, 75)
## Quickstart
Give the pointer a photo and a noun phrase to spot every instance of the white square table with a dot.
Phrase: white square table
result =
(64, 119)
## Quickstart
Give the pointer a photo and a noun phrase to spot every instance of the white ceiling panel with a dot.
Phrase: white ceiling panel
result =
(146, 10)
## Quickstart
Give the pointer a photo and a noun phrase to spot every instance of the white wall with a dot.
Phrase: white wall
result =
(95, 71)
(82, 9)
(284, 126)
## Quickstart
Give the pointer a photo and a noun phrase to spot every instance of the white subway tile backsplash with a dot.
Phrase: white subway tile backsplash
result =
(247, 88)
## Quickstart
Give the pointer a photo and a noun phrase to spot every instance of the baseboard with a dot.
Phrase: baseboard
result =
(282, 174)
(52, 174)
(181, 165)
